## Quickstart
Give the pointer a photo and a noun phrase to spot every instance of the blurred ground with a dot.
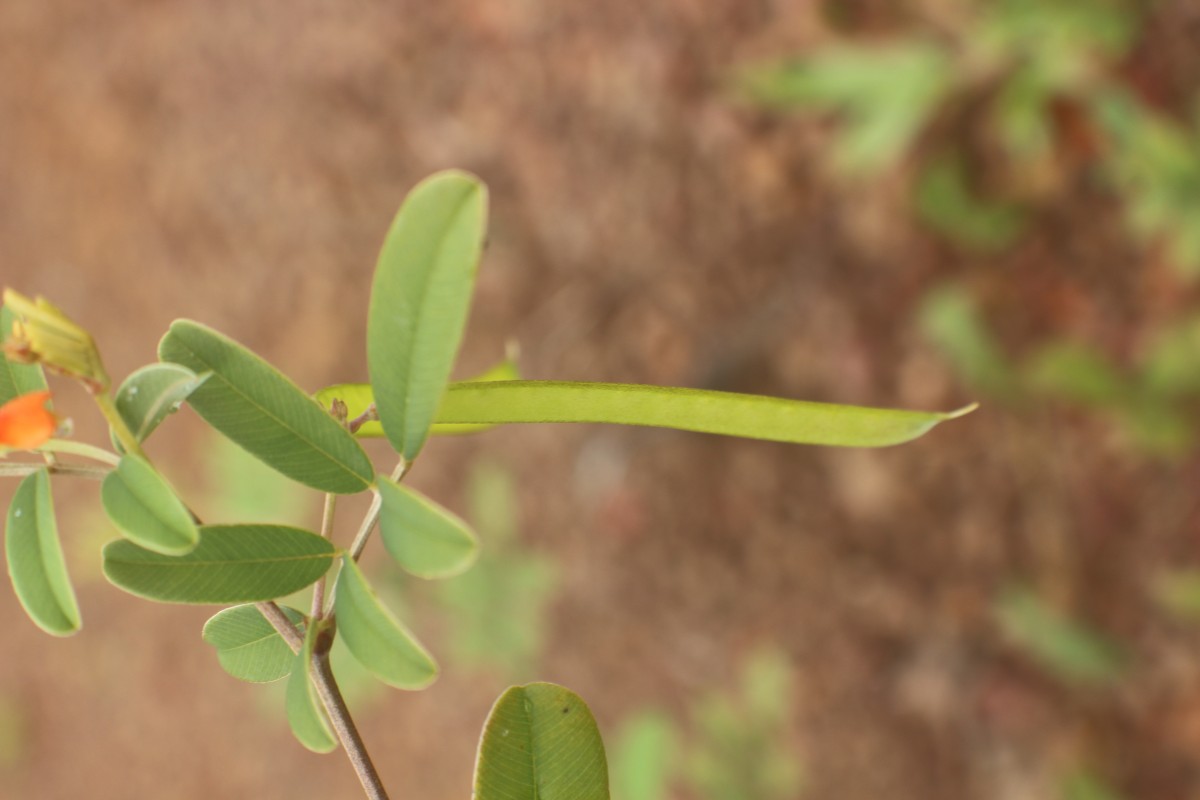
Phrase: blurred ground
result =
(238, 163)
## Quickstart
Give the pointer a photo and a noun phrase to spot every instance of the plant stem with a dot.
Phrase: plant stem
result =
(318, 598)
(343, 725)
(331, 697)
(125, 436)
(18, 469)
(84, 449)
(372, 517)
(282, 625)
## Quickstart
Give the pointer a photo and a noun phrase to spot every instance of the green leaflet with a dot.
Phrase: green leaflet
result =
(146, 509)
(750, 416)
(358, 396)
(16, 379)
(35, 558)
(423, 537)
(248, 647)
(419, 301)
(378, 640)
(231, 564)
(150, 394)
(260, 409)
(304, 712)
(540, 743)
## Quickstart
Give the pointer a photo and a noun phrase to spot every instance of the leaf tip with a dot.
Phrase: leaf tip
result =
(961, 412)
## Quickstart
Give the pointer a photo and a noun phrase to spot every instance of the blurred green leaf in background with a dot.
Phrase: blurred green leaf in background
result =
(1151, 401)
(498, 608)
(246, 489)
(1084, 784)
(946, 202)
(1064, 647)
(883, 96)
(736, 745)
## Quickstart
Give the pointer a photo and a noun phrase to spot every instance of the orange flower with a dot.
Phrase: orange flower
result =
(25, 422)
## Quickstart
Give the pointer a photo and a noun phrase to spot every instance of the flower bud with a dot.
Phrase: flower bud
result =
(43, 334)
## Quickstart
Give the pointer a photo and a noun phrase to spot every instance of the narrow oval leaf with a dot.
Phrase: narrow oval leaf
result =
(750, 416)
(305, 714)
(248, 647)
(423, 537)
(419, 302)
(231, 564)
(150, 394)
(35, 558)
(359, 396)
(146, 509)
(378, 640)
(16, 379)
(260, 409)
(541, 743)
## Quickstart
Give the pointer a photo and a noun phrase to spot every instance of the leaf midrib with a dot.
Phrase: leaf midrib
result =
(228, 563)
(252, 643)
(152, 411)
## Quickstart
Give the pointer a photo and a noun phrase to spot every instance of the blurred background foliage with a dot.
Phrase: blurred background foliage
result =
(734, 743)
(894, 203)
(1000, 109)
(996, 115)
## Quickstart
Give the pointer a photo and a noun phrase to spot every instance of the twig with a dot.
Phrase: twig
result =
(318, 598)
(72, 447)
(282, 625)
(120, 428)
(17, 469)
(343, 725)
(331, 697)
(372, 517)
(368, 525)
